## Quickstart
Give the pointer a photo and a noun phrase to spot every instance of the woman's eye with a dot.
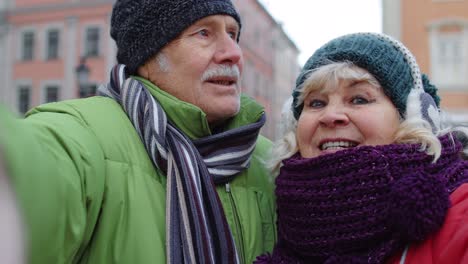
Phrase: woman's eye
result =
(359, 100)
(315, 103)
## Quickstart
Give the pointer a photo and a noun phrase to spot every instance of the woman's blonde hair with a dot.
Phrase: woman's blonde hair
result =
(414, 130)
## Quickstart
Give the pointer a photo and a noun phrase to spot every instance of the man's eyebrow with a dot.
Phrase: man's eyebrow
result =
(204, 21)
(234, 26)
(211, 20)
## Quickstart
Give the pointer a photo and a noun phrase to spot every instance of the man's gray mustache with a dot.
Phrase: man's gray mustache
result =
(231, 71)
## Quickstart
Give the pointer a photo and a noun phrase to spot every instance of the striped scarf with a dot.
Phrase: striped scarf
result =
(194, 215)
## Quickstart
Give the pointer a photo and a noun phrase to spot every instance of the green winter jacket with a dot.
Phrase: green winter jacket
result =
(89, 193)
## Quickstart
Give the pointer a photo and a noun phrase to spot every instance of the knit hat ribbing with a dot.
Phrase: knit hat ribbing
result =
(390, 62)
(141, 28)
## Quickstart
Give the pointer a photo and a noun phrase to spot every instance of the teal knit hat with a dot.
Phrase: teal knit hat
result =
(390, 62)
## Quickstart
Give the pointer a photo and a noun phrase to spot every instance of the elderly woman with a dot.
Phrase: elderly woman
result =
(367, 174)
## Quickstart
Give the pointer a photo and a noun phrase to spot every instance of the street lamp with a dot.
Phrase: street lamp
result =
(82, 75)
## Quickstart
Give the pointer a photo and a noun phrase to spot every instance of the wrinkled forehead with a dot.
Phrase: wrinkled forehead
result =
(228, 20)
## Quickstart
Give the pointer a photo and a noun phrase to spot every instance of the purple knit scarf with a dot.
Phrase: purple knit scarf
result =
(362, 205)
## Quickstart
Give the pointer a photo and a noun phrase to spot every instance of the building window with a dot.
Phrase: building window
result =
(24, 96)
(51, 93)
(450, 50)
(449, 59)
(92, 42)
(52, 44)
(88, 90)
(27, 46)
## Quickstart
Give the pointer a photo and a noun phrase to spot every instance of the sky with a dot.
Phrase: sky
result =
(311, 23)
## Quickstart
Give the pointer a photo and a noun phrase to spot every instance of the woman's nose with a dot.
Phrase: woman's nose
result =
(334, 116)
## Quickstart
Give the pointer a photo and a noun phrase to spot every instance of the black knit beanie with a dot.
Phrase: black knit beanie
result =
(141, 28)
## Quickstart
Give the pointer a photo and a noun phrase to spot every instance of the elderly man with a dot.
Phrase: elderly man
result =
(166, 165)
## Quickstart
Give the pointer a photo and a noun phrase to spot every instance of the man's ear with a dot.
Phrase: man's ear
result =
(143, 71)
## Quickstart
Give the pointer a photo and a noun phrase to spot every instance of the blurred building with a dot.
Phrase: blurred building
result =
(271, 61)
(43, 43)
(436, 31)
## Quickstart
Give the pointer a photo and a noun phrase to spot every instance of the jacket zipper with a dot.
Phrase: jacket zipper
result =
(240, 243)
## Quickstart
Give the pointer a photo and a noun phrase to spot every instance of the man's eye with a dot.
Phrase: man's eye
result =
(203, 33)
(233, 35)
(359, 100)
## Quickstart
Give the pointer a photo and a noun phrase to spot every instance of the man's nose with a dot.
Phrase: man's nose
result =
(228, 50)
